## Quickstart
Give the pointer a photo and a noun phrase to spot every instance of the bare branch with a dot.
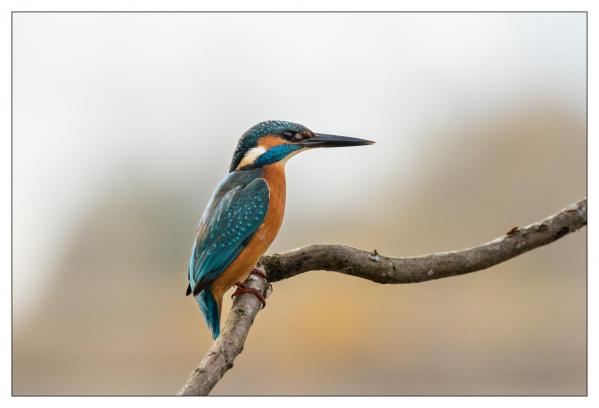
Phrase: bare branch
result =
(382, 269)
(374, 267)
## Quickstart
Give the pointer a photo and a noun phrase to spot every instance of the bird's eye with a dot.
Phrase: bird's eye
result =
(288, 134)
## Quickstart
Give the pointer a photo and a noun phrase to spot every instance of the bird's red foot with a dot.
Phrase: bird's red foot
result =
(259, 273)
(241, 289)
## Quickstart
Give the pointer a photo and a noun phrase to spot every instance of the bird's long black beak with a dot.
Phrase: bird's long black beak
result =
(322, 140)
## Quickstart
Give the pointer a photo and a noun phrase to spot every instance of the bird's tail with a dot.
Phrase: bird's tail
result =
(209, 309)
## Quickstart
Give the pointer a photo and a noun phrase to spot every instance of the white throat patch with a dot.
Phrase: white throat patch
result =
(251, 156)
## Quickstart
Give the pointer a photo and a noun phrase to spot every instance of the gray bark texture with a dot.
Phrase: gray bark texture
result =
(375, 267)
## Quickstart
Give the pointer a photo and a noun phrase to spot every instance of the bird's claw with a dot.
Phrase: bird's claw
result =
(258, 272)
(241, 289)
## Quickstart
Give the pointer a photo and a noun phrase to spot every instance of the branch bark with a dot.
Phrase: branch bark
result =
(229, 344)
(374, 267)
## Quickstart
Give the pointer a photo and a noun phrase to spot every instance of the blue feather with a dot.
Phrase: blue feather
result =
(235, 212)
(210, 311)
(250, 138)
(276, 153)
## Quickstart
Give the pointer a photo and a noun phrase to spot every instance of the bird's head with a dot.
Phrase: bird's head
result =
(275, 141)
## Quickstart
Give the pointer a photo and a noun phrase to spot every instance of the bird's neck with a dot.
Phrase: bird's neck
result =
(274, 174)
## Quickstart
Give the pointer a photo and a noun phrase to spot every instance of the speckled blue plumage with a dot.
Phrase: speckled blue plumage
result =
(235, 211)
(276, 153)
(250, 138)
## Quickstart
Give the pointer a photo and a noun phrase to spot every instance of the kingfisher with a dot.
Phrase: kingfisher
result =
(245, 212)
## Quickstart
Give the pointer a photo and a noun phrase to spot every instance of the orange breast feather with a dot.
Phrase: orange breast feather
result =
(239, 270)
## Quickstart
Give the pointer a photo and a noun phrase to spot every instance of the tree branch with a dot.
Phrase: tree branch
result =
(374, 267)
(382, 269)
(229, 344)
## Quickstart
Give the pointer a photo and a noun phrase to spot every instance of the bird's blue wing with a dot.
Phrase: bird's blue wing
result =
(234, 214)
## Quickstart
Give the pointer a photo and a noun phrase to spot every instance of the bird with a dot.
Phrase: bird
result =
(245, 212)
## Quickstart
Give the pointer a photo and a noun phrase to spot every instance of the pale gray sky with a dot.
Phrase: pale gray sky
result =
(167, 96)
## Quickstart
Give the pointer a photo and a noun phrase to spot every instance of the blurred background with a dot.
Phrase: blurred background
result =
(125, 123)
